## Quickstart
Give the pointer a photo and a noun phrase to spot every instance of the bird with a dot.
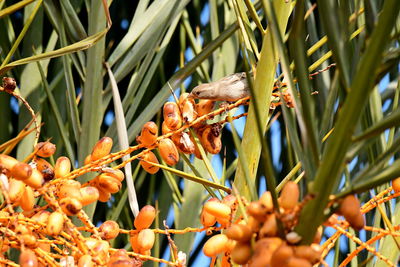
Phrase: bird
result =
(230, 88)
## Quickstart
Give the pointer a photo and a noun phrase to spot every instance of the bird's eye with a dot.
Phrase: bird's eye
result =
(197, 93)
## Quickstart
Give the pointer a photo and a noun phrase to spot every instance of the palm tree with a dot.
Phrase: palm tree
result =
(323, 110)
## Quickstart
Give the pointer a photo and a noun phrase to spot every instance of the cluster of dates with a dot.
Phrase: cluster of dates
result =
(36, 230)
(254, 238)
(175, 116)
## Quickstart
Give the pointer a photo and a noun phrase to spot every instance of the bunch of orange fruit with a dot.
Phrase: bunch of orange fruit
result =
(37, 230)
(254, 238)
(175, 115)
